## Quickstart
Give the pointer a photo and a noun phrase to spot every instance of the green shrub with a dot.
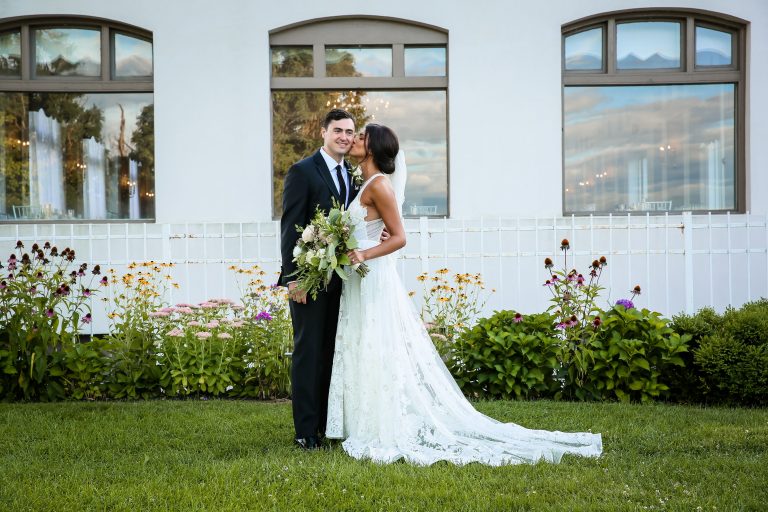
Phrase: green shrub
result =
(727, 362)
(509, 356)
(685, 384)
(83, 369)
(748, 324)
(733, 371)
(630, 358)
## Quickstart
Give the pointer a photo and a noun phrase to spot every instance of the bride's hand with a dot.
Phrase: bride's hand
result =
(356, 256)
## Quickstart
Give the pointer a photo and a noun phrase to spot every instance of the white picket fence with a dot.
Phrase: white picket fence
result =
(682, 262)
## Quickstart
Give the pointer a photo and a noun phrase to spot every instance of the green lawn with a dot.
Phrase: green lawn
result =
(233, 455)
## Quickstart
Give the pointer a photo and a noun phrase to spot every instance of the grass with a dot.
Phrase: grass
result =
(237, 455)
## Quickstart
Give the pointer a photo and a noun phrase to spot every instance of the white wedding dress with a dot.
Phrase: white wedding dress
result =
(391, 396)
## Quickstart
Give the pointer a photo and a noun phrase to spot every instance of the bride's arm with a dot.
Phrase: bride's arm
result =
(383, 199)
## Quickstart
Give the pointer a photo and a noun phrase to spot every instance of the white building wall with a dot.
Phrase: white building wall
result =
(212, 109)
(213, 143)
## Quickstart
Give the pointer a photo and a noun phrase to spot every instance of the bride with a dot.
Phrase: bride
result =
(391, 396)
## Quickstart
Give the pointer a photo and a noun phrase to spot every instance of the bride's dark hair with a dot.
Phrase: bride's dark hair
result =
(382, 145)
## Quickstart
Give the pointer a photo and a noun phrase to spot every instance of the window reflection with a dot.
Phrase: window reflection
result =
(584, 50)
(358, 61)
(424, 61)
(133, 56)
(713, 47)
(648, 45)
(10, 54)
(649, 148)
(77, 156)
(67, 52)
(292, 61)
(418, 118)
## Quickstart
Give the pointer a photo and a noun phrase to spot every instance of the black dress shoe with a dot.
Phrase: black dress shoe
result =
(308, 443)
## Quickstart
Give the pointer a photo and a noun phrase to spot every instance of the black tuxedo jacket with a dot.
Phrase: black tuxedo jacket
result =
(307, 185)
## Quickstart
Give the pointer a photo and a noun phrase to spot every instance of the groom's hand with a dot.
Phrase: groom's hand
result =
(295, 294)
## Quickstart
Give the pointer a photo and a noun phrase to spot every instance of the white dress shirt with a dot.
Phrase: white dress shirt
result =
(331, 163)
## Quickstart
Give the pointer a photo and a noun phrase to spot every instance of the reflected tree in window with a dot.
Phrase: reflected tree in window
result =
(296, 123)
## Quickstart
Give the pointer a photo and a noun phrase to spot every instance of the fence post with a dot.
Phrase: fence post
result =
(424, 243)
(688, 260)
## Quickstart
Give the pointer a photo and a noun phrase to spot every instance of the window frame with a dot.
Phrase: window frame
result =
(687, 74)
(105, 83)
(362, 31)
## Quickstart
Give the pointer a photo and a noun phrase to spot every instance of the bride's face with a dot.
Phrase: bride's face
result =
(358, 146)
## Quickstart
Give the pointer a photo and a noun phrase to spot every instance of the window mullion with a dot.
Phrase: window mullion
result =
(106, 68)
(610, 57)
(318, 59)
(26, 54)
(398, 60)
(689, 44)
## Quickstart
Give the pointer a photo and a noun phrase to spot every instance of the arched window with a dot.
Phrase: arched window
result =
(653, 112)
(76, 120)
(382, 70)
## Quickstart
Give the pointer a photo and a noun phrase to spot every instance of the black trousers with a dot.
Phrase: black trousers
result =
(314, 339)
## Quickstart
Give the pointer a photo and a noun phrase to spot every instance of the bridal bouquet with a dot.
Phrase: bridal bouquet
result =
(322, 249)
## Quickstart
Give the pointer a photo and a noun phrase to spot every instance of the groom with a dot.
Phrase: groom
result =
(313, 182)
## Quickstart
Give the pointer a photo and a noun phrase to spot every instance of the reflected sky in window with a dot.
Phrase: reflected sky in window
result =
(584, 50)
(424, 61)
(713, 47)
(133, 56)
(68, 52)
(358, 61)
(649, 148)
(648, 45)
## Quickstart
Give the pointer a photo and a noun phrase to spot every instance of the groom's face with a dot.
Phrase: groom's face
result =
(337, 138)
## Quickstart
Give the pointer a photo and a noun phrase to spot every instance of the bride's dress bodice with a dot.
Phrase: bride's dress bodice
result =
(367, 233)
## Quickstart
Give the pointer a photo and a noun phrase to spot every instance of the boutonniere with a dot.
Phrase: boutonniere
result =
(356, 175)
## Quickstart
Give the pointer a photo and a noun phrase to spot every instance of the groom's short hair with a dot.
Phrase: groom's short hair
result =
(336, 114)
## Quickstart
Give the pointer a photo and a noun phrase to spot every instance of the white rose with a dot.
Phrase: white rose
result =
(296, 251)
(309, 234)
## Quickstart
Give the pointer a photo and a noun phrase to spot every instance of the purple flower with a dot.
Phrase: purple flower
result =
(87, 318)
(86, 292)
(3, 285)
(626, 303)
(49, 313)
(518, 318)
(264, 315)
(104, 281)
